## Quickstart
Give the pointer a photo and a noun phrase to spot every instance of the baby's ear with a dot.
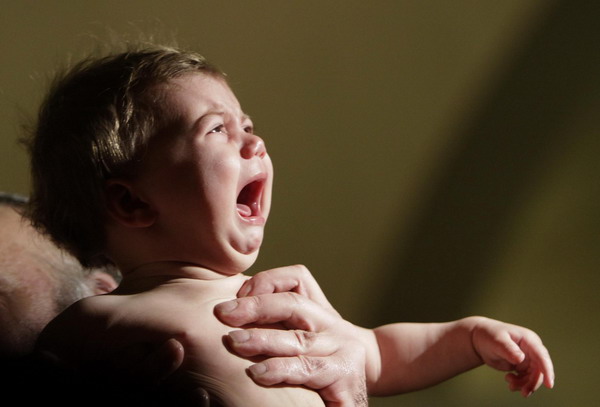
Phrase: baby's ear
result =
(126, 207)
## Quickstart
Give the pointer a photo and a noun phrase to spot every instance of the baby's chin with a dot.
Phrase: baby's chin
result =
(235, 256)
(238, 262)
(248, 246)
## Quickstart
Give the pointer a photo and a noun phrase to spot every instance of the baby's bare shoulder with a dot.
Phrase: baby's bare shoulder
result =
(183, 308)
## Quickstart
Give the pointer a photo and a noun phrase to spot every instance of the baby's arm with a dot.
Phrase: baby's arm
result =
(415, 356)
(399, 357)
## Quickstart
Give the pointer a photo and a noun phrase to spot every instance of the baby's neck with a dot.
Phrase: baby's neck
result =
(157, 273)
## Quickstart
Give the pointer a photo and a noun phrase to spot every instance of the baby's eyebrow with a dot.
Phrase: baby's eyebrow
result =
(213, 113)
(200, 119)
(244, 117)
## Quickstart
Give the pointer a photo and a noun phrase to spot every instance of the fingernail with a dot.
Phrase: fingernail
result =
(258, 369)
(245, 290)
(240, 336)
(227, 307)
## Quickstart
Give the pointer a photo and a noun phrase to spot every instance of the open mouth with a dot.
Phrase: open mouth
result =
(248, 201)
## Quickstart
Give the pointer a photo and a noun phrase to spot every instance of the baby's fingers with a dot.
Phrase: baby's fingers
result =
(540, 358)
(500, 352)
(527, 384)
(510, 351)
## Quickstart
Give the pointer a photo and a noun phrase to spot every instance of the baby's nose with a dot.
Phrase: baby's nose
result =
(254, 146)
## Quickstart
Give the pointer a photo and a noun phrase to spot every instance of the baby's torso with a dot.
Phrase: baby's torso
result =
(184, 309)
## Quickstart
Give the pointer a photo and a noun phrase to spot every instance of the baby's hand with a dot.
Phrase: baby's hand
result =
(514, 349)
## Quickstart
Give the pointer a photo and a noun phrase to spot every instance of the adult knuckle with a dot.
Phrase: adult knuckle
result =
(277, 364)
(260, 276)
(310, 365)
(304, 270)
(254, 301)
(305, 339)
(298, 318)
(295, 299)
(301, 269)
(532, 336)
(348, 394)
(251, 304)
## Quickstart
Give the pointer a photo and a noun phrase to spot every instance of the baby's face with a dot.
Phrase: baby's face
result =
(209, 177)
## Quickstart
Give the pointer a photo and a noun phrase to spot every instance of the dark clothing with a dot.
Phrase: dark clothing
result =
(34, 381)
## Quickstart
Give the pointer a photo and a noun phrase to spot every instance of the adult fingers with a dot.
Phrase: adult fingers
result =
(292, 310)
(165, 360)
(295, 278)
(273, 342)
(143, 363)
(335, 380)
(197, 397)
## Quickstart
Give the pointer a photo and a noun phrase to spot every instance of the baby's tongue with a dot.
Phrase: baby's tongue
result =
(244, 210)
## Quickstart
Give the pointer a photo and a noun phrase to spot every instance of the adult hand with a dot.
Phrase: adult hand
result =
(318, 348)
(134, 373)
(142, 364)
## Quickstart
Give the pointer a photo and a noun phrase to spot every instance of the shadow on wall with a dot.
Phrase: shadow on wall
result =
(503, 150)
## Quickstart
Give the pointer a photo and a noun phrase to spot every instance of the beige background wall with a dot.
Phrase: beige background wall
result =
(434, 159)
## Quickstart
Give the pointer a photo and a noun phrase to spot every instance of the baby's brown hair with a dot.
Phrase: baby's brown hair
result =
(95, 124)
